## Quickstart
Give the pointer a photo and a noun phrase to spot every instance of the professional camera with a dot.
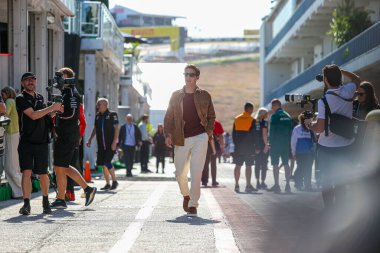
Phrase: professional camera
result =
(297, 98)
(319, 78)
(59, 81)
(302, 100)
(307, 114)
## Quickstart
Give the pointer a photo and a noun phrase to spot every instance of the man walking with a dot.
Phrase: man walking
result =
(129, 139)
(280, 132)
(67, 139)
(243, 139)
(35, 125)
(211, 158)
(146, 141)
(106, 129)
(189, 124)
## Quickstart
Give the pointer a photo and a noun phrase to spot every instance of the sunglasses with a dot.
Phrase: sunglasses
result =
(190, 74)
(360, 93)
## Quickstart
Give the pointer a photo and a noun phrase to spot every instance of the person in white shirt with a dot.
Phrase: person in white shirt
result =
(334, 151)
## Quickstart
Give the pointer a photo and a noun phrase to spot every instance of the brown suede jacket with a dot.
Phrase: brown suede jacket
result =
(174, 123)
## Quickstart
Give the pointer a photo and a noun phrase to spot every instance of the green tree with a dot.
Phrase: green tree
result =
(348, 21)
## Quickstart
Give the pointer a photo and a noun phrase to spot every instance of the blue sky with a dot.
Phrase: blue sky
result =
(206, 18)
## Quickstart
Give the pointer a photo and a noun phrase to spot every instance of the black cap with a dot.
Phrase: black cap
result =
(28, 75)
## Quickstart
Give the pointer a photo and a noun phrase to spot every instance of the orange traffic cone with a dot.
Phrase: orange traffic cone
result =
(87, 172)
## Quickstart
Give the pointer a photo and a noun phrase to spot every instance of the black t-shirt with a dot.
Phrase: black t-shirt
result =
(32, 131)
(105, 128)
(259, 133)
(67, 124)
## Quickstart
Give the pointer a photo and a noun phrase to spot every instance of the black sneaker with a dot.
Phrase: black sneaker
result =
(275, 188)
(115, 184)
(106, 187)
(215, 184)
(250, 188)
(90, 196)
(58, 204)
(24, 210)
(287, 189)
(46, 209)
(258, 185)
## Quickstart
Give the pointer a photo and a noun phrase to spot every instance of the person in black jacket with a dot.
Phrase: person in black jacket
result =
(106, 129)
(160, 147)
(66, 140)
(129, 139)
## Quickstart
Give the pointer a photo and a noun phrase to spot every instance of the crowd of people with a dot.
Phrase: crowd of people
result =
(193, 137)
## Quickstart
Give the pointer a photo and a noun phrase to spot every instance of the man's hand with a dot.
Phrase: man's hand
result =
(57, 107)
(266, 148)
(168, 142)
(88, 144)
(113, 145)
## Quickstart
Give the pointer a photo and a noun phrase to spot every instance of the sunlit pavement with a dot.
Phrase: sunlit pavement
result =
(145, 215)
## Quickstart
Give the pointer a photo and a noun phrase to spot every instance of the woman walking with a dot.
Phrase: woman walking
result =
(160, 147)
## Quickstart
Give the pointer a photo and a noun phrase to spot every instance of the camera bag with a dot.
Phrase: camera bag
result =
(339, 124)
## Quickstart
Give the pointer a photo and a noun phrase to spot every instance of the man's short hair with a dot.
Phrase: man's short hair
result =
(276, 101)
(333, 75)
(248, 106)
(102, 100)
(67, 71)
(193, 67)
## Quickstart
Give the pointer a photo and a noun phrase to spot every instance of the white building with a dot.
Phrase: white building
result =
(294, 47)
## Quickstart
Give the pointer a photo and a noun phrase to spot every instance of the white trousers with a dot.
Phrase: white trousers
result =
(12, 165)
(191, 156)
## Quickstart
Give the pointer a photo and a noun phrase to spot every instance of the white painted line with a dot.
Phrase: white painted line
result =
(134, 229)
(224, 239)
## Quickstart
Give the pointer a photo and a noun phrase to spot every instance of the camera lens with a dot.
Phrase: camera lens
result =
(319, 77)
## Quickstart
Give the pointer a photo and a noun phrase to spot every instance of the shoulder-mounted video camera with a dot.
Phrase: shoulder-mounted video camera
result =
(59, 81)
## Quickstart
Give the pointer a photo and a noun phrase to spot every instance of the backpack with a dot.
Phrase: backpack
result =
(339, 124)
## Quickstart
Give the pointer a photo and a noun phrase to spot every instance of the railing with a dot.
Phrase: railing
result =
(305, 5)
(364, 42)
(94, 21)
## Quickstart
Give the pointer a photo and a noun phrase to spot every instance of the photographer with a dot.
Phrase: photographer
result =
(334, 151)
(67, 139)
(303, 149)
(33, 149)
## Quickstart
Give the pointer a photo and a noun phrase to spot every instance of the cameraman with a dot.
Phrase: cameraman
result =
(34, 138)
(67, 139)
(334, 151)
